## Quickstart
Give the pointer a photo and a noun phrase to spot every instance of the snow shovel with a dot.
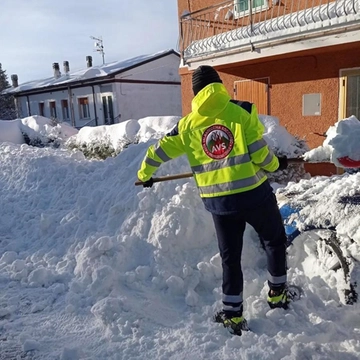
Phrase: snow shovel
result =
(345, 161)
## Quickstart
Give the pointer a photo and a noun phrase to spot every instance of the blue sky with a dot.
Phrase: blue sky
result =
(36, 33)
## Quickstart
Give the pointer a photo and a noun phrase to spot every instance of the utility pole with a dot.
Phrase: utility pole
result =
(99, 47)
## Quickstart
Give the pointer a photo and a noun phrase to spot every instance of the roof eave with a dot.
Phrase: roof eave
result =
(59, 87)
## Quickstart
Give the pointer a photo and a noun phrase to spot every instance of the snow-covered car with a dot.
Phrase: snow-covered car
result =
(321, 217)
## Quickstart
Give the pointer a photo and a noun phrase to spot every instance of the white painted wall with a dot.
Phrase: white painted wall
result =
(34, 101)
(164, 69)
(57, 96)
(140, 100)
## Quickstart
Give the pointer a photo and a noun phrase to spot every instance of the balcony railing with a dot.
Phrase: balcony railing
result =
(81, 123)
(234, 24)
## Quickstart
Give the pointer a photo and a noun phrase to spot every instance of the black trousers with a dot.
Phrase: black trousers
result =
(267, 222)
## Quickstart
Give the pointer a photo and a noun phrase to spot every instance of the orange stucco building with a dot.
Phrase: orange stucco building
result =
(297, 60)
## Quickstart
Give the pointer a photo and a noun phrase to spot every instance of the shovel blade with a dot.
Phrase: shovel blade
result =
(347, 162)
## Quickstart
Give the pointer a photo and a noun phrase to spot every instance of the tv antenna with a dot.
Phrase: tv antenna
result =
(99, 47)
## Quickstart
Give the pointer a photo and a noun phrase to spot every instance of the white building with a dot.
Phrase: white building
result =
(147, 85)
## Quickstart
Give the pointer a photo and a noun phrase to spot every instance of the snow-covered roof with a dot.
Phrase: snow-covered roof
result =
(90, 74)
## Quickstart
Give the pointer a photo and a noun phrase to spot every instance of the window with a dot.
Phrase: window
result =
(65, 109)
(242, 7)
(84, 108)
(41, 109)
(353, 96)
(108, 110)
(350, 93)
(52, 105)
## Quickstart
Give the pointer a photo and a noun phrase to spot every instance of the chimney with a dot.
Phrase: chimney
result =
(57, 72)
(66, 67)
(14, 80)
(89, 61)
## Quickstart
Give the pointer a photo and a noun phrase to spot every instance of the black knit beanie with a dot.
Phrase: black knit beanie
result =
(203, 76)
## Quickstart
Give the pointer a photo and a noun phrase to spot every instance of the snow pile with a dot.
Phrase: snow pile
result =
(284, 144)
(280, 140)
(129, 131)
(156, 127)
(105, 141)
(345, 141)
(93, 267)
(35, 130)
(328, 201)
(342, 140)
(101, 142)
(10, 131)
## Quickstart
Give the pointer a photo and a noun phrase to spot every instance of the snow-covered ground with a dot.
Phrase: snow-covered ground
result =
(93, 267)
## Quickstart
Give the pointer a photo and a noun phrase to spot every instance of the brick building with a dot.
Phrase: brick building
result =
(298, 60)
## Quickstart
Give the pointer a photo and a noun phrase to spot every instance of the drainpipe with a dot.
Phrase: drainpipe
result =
(72, 113)
(28, 105)
(251, 17)
(18, 107)
(93, 92)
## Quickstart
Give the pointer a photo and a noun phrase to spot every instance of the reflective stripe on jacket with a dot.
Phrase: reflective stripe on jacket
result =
(223, 143)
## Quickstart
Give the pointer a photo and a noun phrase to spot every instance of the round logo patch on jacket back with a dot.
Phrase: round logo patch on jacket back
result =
(217, 141)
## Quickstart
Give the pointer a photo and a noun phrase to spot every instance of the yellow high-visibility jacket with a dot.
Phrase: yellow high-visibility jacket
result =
(223, 142)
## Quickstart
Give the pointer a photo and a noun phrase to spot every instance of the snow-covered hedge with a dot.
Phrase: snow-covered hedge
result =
(36, 131)
(105, 141)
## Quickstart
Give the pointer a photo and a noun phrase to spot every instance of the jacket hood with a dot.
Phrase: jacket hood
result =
(211, 100)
